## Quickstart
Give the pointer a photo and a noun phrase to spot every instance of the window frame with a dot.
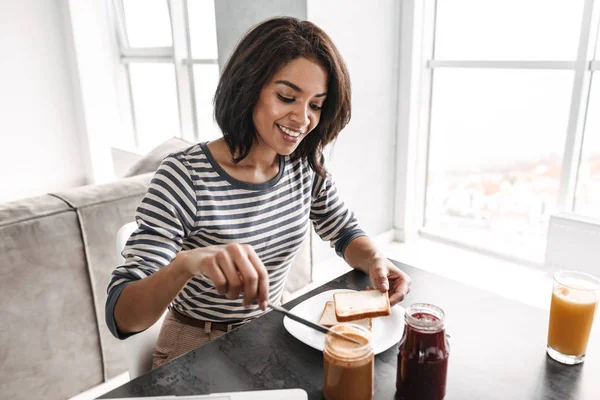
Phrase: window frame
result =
(417, 64)
(179, 55)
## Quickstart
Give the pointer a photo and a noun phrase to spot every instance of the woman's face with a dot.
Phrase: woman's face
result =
(289, 105)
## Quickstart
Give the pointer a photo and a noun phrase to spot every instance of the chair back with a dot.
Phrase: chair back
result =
(573, 243)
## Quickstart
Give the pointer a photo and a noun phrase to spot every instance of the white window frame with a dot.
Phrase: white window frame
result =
(92, 55)
(416, 70)
(179, 54)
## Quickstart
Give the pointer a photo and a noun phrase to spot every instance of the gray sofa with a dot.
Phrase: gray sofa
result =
(57, 252)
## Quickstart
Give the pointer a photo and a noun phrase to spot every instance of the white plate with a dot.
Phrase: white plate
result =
(387, 331)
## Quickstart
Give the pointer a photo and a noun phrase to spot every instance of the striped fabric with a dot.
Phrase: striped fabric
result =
(192, 202)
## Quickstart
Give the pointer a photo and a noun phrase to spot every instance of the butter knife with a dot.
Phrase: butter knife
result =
(317, 327)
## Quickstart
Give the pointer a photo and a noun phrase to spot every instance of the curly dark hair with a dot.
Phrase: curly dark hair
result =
(262, 51)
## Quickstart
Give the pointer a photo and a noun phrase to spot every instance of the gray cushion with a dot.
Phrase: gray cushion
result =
(151, 161)
(33, 207)
(48, 334)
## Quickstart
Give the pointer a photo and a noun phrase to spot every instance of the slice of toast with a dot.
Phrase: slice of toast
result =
(351, 306)
(328, 318)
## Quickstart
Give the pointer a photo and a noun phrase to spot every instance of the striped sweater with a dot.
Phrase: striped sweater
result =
(192, 202)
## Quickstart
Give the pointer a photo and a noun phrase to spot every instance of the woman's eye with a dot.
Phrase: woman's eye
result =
(286, 99)
(316, 107)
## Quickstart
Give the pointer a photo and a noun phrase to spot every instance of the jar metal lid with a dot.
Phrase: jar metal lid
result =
(342, 349)
(417, 317)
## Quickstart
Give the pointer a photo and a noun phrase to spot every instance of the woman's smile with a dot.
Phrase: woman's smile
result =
(292, 135)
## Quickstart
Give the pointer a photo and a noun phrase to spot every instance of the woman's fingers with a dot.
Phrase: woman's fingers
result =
(217, 276)
(234, 268)
(248, 275)
(400, 287)
(263, 279)
(227, 265)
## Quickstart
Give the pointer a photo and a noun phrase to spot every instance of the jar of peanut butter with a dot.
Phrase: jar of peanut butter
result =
(348, 366)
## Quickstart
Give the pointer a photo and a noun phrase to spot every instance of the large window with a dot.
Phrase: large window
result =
(168, 50)
(513, 124)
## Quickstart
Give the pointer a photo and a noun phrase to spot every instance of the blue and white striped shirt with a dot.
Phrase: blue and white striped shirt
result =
(192, 202)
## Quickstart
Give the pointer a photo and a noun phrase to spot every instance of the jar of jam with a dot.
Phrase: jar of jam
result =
(423, 356)
(348, 366)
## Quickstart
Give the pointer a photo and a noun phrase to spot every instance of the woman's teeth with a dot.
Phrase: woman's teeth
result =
(289, 131)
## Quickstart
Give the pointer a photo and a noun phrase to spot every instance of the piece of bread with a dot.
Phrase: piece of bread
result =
(351, 306)
(328, 318)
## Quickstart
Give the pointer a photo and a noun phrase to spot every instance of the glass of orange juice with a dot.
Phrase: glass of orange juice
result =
(574, 302)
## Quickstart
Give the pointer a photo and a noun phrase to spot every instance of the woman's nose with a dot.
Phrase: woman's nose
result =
(300, 115)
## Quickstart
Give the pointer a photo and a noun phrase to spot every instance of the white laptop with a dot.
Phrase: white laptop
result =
(288, 394)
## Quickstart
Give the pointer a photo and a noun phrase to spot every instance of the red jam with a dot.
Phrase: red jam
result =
(423, 356)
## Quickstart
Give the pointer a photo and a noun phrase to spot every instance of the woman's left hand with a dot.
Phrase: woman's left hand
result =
(385, 276)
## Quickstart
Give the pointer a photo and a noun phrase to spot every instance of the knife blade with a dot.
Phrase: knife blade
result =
(310, 324)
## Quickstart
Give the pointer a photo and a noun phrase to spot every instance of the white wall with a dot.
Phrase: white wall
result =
(363, 159)
(39, 145)
(91, 41)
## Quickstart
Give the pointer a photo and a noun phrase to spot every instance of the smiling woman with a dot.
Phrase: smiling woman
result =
(289, 62)
(286, 113)
(222, 221)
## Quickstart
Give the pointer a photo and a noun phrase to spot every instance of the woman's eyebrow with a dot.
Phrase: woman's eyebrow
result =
(296, 88)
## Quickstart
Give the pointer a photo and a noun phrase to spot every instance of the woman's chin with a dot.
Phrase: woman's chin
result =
(281, 144)
(286, 148)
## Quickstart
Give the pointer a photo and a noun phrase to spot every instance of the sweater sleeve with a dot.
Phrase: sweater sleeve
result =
(332, 220)
(164, 217)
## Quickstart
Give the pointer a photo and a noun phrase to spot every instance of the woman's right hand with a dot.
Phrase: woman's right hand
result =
(233, 268)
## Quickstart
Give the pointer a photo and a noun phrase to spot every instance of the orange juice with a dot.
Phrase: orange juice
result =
(571, 316)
